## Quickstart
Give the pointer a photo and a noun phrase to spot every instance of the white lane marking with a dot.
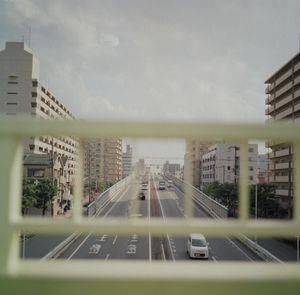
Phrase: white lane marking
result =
(214, 259)
(107, 255)
(134, 238)
(115, 239)
(242, 251)
(131, 249)
(149, 217)
(102, 239)
(79, 246)
(163, 252)
(94, 249)
(73, 253)
(163, 214)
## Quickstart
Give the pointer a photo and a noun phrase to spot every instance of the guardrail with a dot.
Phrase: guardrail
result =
(208, 202)
(93, 207)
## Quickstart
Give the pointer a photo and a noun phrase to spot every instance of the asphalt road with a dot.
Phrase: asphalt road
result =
(104, 246)
(125, 205)
(140, 247)
(223, 249)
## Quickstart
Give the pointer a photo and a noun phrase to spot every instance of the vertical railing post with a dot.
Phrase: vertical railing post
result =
(296, 181)
(243, 183)
(10, 200)
(188, 184)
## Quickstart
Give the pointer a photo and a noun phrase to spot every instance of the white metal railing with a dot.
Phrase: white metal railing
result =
(59, 277)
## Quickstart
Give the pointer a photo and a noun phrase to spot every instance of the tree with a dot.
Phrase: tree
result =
(46, 191)
(29, 198)
(266, 203)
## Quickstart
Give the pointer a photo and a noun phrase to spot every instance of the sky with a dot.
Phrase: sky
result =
(157, 60)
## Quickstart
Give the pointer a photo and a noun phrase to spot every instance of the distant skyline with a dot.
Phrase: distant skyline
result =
(157, 60)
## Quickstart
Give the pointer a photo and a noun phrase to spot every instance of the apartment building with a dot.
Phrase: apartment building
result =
(22, 93)
(193, 159)
(283, 103)
(171, 168)
(43, 166)
(103, 161)
(222, 163)
(127, 161)
(263, 165)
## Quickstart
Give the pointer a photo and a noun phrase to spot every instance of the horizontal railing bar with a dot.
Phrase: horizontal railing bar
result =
(25, 127)
(157, 226)
(184, 271)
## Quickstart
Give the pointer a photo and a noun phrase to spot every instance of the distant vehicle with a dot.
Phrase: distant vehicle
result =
(144, 186)
(141, 196)
(197, 247)
(162, 185)
(170, 183)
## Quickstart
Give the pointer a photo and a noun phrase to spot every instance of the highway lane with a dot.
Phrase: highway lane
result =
(124, 205)
(221, 248)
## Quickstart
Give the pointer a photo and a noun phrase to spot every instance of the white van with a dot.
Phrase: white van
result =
(197, 247)
(170, 182)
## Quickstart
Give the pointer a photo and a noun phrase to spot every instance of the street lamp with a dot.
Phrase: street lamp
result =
(256, 182)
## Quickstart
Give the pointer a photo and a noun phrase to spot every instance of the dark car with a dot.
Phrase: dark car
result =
(142, 196)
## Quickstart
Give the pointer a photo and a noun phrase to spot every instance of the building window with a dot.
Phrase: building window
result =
(251, 177)
(34, 83)
(35, 173)
(34, 94)
(12, 92)
(12, 103)
(250, 168)
(13, 82)
(33, 104)
(251, 150)
(31, 147)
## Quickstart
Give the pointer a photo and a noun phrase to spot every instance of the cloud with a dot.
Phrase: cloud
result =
(198, 60)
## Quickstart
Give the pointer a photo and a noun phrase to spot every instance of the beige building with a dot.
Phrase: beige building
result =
(222, 163)
(22, 93)
(42, 166)
(194, 152)
(283, 103)
(103, 161)
(127, 161)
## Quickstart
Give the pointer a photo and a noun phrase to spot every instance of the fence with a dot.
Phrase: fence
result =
(92, 277)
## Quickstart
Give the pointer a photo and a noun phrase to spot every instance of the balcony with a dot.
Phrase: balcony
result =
(284, 77)
(280, 166)
(282, 192)
(269, 110)
(280, 153)
(284, 114)
(281, 179)
(284, 89)
(268, 89)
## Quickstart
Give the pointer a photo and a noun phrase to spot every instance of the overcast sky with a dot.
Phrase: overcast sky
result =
(174, 60)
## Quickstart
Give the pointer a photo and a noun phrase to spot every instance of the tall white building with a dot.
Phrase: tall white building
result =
(127, 161)
(283, 103)
(222, 163)
(22, 93)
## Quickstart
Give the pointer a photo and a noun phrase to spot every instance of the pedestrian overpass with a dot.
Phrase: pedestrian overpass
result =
(136, 277)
